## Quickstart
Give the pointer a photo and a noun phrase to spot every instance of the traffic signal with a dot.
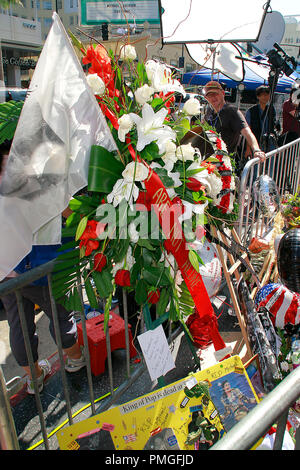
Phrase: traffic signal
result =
(104, 29)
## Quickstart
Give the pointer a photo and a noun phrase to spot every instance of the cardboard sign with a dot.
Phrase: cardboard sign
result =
(193, 412)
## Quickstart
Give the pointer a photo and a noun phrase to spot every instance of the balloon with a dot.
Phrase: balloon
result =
(282, 304)
(266, 194)
(288, 260)
(211, 271)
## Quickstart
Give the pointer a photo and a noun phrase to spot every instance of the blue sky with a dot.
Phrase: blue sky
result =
(286, 7)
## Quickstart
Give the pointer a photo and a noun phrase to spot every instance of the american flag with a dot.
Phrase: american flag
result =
(282, 303)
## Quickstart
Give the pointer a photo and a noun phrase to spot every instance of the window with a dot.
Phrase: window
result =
(47, 22)
(47, 5)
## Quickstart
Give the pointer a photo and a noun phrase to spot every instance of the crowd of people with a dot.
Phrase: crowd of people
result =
(260, 126)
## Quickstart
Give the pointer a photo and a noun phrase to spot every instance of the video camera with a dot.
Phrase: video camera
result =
(279, 62)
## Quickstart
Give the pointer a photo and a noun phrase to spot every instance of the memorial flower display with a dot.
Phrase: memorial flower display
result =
(137, 223)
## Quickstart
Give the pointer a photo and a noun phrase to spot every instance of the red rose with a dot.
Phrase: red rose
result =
(100, 261)
(153, 297)
(90, 245)
(122, 278)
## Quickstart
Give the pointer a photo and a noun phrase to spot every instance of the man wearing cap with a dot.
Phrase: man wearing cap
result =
(228, 121)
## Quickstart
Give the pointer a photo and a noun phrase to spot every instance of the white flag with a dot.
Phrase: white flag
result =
(48, 161)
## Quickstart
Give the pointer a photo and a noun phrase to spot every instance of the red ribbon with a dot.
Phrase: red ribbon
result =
(176, 244)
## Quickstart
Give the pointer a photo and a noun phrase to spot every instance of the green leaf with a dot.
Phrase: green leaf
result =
(106, 312)
(163, 302)
(81, 227)
(103, 282)
(150, 152)
(104, 170)
(141, 292)
(146, 244)
(194, 260)
(90, 291)
(156, 276)
(9, 116)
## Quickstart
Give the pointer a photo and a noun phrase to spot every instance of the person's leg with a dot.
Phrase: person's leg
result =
(17, 343)
(16, 337)
(67, 323)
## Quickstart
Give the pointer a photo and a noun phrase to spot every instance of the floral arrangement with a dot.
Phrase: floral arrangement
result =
(291, 210)
(118, 239)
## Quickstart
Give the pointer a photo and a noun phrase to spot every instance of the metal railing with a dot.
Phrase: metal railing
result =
(8, 436)
(273, 408)
(283, 166)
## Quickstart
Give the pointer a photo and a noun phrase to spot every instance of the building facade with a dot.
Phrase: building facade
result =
(23, 31)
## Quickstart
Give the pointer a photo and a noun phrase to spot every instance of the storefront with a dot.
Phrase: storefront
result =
(21, 44)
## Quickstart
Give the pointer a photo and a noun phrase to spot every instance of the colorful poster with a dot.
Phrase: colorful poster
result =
(192, 413)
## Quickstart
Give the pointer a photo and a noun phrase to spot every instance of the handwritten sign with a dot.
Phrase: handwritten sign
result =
(156, 352)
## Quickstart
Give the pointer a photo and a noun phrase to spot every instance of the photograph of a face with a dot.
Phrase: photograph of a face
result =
(233, 398)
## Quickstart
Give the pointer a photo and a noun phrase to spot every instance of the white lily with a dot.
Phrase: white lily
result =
(160, 77)
(123, 190)
(150, 128)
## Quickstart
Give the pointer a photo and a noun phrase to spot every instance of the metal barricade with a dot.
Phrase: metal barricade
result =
(283, 166)
(8, 436)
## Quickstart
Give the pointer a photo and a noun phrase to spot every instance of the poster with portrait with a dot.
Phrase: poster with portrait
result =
(192, 413)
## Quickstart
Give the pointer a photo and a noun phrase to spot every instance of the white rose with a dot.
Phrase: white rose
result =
(135, 171)
(125, 125)
(128, 52)
(96, 83)
(143, 94)
(151, 67)
(169, 158)
(191, 107)
(185, 152)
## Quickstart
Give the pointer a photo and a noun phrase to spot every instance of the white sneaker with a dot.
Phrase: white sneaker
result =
(73, 365)
(46, 369)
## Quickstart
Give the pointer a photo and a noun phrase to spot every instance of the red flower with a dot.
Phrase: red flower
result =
(153, 297)
(209, 166)
(90, 245)
(122, 278)
(101, 65)
(194, 185)
(100, 261)
(90, 230)
(168, 98)
(90, 236)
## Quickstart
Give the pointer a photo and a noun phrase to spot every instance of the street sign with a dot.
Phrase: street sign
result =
(94, 12)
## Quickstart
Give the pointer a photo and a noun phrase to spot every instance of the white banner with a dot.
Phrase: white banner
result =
(48, 161)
